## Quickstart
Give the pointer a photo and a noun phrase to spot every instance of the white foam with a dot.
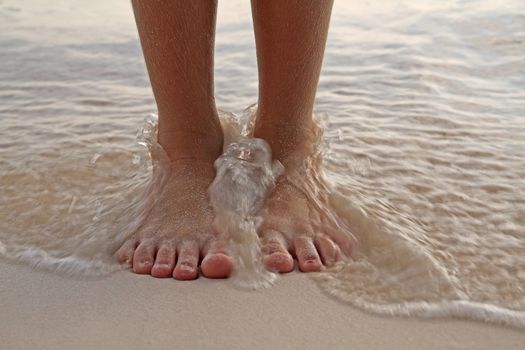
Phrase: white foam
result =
(399, 266)
(245, 177)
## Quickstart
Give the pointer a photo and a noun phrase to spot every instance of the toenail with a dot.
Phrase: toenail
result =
(145, 262)
(187, 267)
(310, 261)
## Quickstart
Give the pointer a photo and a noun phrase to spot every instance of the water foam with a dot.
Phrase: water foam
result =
(75, 224)
(245, 177)
(397, 268)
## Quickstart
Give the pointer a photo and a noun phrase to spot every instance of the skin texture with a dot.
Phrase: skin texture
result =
(290, 37)
(177, 38)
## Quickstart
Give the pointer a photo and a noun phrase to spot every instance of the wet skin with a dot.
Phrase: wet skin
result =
(178, 239)
(178, 236)
(177, 39)
(294, 228)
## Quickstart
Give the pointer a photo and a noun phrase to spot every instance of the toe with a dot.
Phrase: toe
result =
(143, 258)
(343, 240)
(125, 253)
(328, 250)
(275, 252)
(164, 262)
(306, 254)
(186, 268)
(217, 262)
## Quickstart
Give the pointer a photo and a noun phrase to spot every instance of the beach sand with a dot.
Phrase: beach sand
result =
(41, 310)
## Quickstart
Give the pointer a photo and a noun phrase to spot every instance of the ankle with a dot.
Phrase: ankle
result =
(192, 170)
(286, 137)
(203, 145)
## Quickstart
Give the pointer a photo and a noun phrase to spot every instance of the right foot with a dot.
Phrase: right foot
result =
(178, 231)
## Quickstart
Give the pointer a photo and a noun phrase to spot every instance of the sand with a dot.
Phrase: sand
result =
(42, 310)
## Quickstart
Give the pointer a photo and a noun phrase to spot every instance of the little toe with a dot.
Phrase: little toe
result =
(143, 258)
(275, 252)
(217, 262)
(307, 255)
(188, 259)
(330, 253)
(125, 253)
(343, 240)
(164, 262)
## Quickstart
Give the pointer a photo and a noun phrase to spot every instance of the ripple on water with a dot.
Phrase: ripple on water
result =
(424, 145)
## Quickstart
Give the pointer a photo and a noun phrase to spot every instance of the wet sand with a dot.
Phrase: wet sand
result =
(40, 310)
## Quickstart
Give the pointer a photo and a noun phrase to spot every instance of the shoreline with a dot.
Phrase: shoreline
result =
(45, 310)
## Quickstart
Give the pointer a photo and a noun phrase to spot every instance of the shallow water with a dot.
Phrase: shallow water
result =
(245, 176)
(424, 105)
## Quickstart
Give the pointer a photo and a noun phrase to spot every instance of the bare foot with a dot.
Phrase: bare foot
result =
(295, 226)
(178, 231)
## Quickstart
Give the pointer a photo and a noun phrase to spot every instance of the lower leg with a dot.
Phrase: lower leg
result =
(177, 38)
(290, 37)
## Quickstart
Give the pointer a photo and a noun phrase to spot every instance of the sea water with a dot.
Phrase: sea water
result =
(245, 176)
(422, 106)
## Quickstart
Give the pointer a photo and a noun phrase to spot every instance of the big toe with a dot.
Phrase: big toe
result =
(275, 253)
(217, 262)
(279, 261)
(217, 265)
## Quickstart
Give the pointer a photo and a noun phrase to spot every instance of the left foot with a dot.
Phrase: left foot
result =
(294, 226)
